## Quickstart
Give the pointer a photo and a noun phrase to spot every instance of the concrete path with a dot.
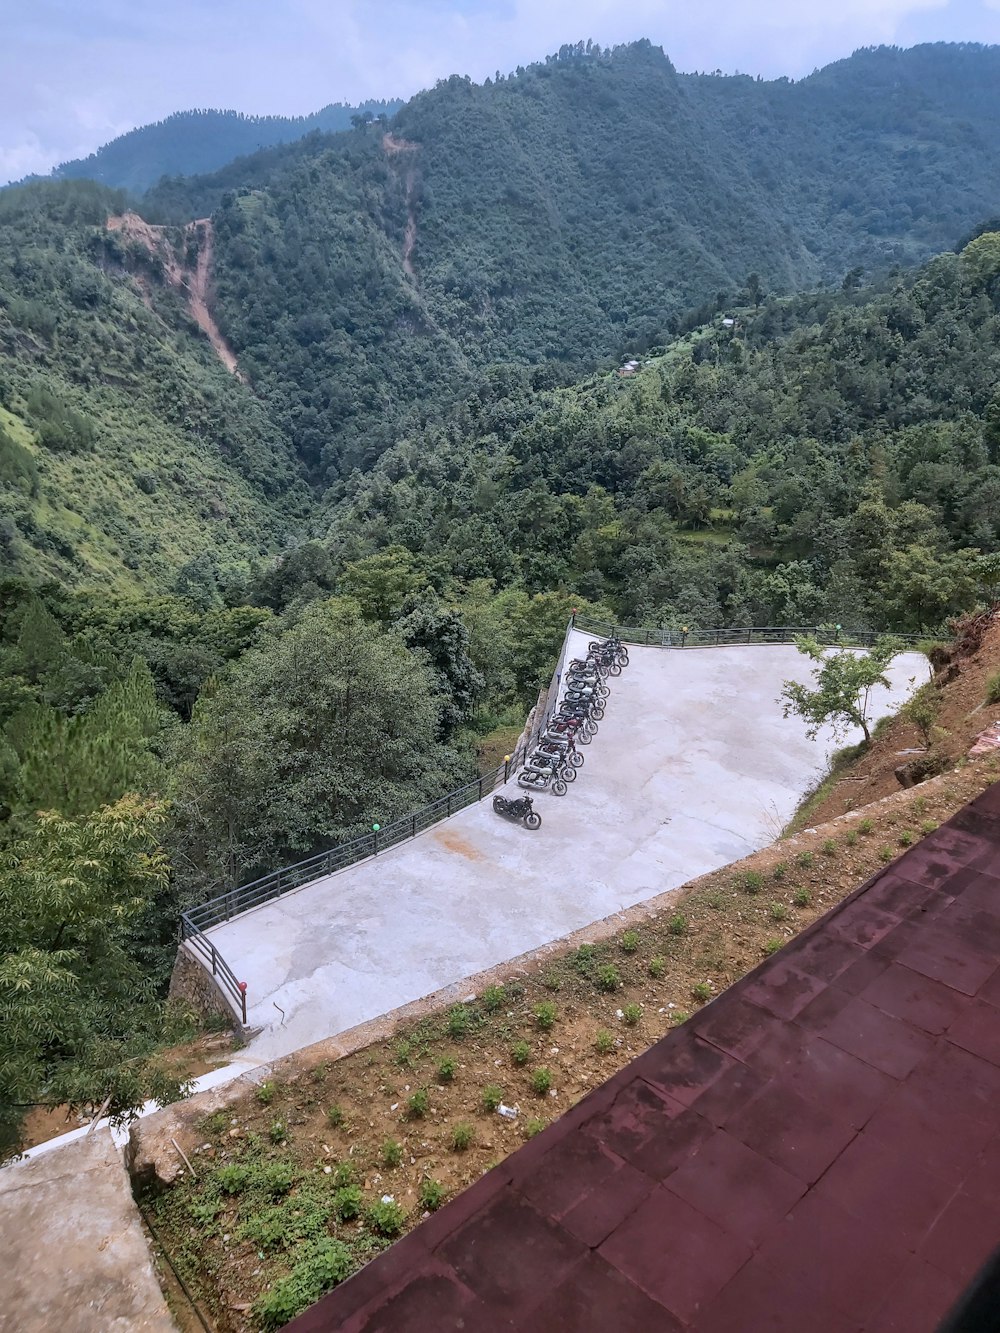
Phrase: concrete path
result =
(693, 767)
(74, 1253)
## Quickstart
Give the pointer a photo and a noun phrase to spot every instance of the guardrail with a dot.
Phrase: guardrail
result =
(200, 944)
(224, 906)
(659, 636)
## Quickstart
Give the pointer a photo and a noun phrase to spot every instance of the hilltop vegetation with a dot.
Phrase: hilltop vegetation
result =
(191, 142)
(572, 210)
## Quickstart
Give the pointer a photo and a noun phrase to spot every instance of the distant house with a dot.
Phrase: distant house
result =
(728, 323)
(629, 368)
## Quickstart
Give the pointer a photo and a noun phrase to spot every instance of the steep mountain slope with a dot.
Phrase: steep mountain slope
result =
(828, 457)
(128, 453)
(190, 142)
(570, 210)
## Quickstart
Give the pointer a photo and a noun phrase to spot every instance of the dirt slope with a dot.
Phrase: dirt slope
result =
(193, 283)
(960, 715)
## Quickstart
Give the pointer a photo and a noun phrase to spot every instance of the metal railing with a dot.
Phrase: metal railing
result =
(660, 636)
(201, 945)
(225, 906)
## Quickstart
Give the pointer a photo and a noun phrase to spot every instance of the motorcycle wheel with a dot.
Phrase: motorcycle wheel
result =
(584, 737)
(623, 658)
(616, 669)
(576, 760)
(559, 787)
(534, 820)
(604, 691)
(568, 774)
(498, 804)
(597, 712)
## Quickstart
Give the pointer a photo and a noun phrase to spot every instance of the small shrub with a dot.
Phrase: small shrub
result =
(657, 967)
(906, 838)
(753, 881)
(265, 1093)
(631, 1014)
(679, 1016)
(886, 854)
(802, 898)
(608, 978)
(319, 1074)
(545, 1015)
(492, 998)
(583, 958)
(404, 1054)
(232, 1178)
(418, 1105)
(928, 826)
(392, 1153)
(780, 871)
(520, 1052)
(325, 1262)
(866, 826)
(629, 942)
(603, 1041)
(492, 1097)
(993, 689)
(805, 859)
(459, 1020)
(347, 1203)
(552, 981)
(541, 1081)
(772, 946)
(829, 847)
(532, 1127)
(715, 901)
(778, 912)
(702, 992)
(678, 924)
(446, 1070)
(334, 1116)
(461, 1137)
(430, 1195)
(343, 1175)
(851, 839)
(276, 1131)
(385, 1219)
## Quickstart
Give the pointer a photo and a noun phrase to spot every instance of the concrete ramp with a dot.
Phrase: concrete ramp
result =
(693, 767)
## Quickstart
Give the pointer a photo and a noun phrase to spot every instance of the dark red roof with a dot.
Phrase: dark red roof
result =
(817, 1151)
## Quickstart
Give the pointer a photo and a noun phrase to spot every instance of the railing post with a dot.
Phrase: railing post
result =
(506, 767)
(413, 827)
(480, 788)
(214, 962)
(449, 805)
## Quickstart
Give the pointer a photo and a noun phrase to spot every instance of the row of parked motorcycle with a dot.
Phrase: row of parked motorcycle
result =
(554, 761)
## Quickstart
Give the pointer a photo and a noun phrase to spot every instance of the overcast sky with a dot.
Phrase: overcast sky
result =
(76, 73)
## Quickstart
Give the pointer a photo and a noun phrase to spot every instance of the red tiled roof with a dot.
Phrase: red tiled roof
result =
(817, 1151)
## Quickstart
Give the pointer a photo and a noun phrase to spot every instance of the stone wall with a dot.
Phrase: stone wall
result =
(194, 985)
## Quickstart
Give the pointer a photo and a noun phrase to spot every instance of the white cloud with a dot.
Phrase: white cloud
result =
(111, 64)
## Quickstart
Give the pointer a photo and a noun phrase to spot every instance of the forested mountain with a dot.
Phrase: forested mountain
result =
(244, 616)
(570, 210)
(191, 142)
(129, 457)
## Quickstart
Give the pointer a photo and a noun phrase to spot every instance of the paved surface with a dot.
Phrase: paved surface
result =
(817, 1151)
(74, 1257)
(693, 767)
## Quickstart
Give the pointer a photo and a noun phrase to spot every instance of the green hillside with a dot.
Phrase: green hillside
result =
(572, 210)
(128, 455)
(190, 142)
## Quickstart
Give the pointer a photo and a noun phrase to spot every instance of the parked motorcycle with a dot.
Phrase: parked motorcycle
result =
(551, 763)
(561, 746)
(520, 810)
(539, 781)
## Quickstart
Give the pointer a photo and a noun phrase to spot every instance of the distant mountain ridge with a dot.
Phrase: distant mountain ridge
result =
(189, 143)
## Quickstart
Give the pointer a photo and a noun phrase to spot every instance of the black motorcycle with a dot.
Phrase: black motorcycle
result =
(520, 810)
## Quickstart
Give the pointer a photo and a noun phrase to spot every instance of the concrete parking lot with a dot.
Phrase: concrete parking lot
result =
(693, 767)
